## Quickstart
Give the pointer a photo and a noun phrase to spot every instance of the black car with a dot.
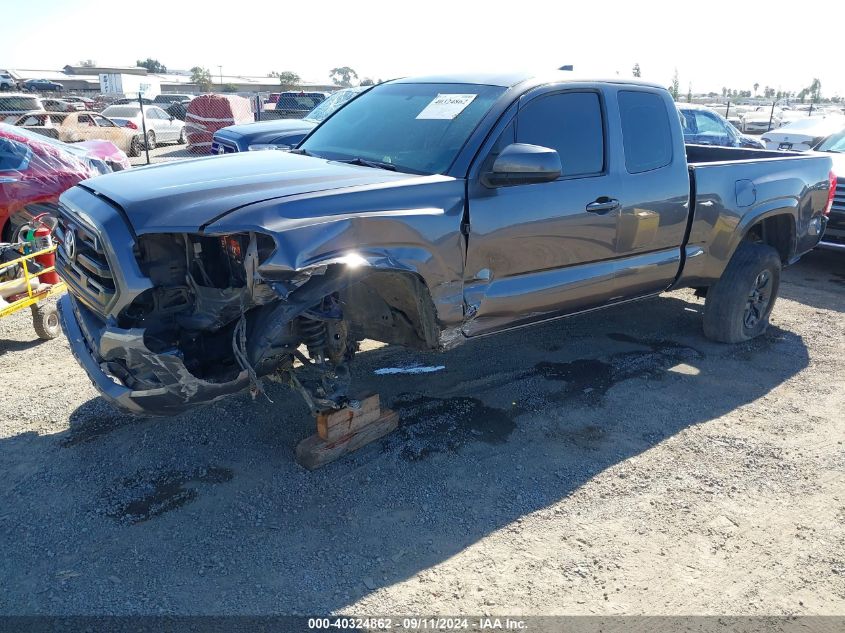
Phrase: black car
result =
(34, 85)
(703, 126)
(295, 104)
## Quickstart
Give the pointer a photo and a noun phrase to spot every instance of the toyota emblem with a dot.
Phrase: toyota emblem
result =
(69, 245)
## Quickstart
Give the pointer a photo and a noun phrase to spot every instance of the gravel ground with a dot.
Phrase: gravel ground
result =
(616, 462)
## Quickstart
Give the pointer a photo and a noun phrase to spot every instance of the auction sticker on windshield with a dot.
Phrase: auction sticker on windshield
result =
(446, 106)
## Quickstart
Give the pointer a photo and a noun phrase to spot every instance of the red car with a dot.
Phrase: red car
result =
(35, 170)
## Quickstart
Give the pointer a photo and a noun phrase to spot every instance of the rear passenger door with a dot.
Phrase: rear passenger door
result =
(540, 250)
(654, 192)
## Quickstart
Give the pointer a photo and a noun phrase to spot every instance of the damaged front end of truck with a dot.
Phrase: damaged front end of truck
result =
(186, 318)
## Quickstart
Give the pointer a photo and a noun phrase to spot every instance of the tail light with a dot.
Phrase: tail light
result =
(830, 194)
(131, 125)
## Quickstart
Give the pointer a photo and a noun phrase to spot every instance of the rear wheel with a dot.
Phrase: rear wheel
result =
(739, 304)
(183, 138)
(45, 320)
(135, 146)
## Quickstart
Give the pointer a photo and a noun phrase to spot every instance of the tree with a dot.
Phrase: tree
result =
(676, 86)
(289, 79)
(367, 81)
(229, 88)
(756, 86)
(689, 93)
(725, 91)
(342, 76)
(201, 77)
(636, 70)
(152, 65)
(815, 90)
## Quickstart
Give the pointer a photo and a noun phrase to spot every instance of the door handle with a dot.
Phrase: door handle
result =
(603, 205)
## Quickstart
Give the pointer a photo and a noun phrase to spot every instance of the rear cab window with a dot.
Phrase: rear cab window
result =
(646, 132)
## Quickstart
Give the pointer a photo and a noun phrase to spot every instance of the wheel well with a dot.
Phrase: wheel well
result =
(393, 307)
(777, 231)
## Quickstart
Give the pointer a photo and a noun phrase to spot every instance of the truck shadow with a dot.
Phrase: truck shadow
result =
(212, 504)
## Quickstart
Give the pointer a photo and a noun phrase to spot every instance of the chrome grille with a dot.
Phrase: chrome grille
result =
(84, 266)
(227, 146)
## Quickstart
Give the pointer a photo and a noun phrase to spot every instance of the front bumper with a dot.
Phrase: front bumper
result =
(95, 344)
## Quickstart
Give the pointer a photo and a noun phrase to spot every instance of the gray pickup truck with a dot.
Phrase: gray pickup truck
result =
(424, 213)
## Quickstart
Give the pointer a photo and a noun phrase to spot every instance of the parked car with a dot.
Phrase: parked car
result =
(761, 120)
(13, 106)
(73, 127)
(295, 104)
(164, 100)
(834, 234)
(42, 85)
(278, 134)
(161, 127)
(60, 105)
(179, 109)
(87, 104)
(423, 213)
(35, 170)
(131, 101)
(7, 82)
(702, 126)
(803, 134)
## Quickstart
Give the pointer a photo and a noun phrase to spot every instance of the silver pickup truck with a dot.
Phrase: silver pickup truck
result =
(424, 213)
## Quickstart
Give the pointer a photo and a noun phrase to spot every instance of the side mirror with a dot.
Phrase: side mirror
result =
(171, 118)
(523, 164)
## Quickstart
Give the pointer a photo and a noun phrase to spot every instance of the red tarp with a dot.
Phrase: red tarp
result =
(209, 113)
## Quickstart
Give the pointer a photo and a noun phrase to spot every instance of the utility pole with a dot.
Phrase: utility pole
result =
(220, 68)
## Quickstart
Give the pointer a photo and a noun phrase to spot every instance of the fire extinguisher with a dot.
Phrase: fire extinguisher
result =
(41, 239)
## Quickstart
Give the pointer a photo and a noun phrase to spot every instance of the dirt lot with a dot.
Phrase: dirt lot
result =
(616, 462)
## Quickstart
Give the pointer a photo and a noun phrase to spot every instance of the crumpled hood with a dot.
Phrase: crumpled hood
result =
(186, 195)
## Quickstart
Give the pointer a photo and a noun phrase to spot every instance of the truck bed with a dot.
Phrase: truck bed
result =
(731, 188)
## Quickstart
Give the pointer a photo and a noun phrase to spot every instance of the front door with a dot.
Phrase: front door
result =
(540, 250)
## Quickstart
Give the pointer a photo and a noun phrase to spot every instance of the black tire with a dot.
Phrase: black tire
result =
(738, 305)
(151, 140)
(135, 147)
(183, 137)
(45, 320)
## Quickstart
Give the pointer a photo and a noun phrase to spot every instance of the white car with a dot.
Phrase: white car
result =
(803, 134)
(161, 127)
(758, 121)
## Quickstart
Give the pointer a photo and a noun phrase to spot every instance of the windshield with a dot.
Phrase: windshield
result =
(835, 143)
(419, 128)
(332, 103)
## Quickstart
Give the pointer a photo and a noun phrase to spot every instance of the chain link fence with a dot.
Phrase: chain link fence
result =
(148, 129)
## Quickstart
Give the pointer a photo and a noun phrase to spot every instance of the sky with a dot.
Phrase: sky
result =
(712, 44)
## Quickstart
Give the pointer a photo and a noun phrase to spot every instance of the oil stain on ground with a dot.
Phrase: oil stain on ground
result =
(140, 498)
(436, 425)
(586, 381)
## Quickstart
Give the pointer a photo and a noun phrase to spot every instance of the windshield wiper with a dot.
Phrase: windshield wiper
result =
(302, 152)
(369, 163)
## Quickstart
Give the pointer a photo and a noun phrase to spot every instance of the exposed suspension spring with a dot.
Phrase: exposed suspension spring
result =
(314, 335)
